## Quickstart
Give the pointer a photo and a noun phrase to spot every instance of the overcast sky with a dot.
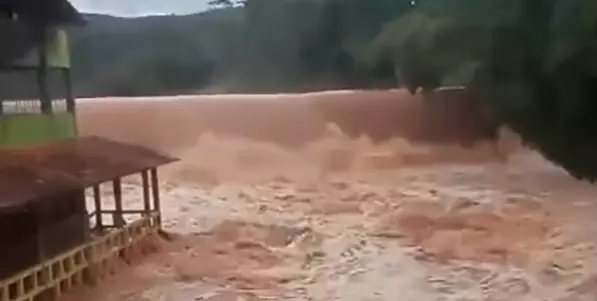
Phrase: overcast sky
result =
(140, 7)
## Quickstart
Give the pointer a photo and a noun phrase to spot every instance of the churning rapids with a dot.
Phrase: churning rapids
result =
(347, 219)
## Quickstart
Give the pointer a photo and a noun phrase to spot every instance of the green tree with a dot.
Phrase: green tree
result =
(534, 62)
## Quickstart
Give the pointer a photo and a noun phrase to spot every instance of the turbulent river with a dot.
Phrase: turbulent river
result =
(340, 218)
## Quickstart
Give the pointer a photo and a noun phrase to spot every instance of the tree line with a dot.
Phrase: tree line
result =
(245, 46)
(533, 64)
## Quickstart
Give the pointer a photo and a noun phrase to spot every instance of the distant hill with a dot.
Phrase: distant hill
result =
(144, 55)
(263, 46)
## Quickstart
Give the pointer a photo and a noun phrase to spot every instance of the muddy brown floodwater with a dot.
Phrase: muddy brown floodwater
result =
(347, 219)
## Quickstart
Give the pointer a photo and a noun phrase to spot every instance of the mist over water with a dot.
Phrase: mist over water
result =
(300, 128)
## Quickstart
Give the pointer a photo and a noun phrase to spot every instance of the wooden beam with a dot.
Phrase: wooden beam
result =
(155, 189)
(118, 216)
(146, 196)
(42, 72)
(68, 85)
(97, 200)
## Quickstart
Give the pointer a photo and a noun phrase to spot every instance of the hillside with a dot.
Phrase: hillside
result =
(146, 55)
(264, 46)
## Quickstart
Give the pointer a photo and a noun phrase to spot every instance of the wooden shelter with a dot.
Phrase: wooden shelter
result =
(55, 229)
(42, 210)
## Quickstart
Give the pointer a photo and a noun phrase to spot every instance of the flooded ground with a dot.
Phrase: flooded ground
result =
(348, 219)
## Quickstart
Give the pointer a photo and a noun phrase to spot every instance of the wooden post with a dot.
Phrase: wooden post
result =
(118, 216)
(81, 212)
(146, 197)
(155, 189)
(68, 85)
(97, 200)
(42, 72)
(39, 235)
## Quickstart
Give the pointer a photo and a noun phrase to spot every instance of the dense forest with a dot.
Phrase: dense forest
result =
(254, 46)
(533, 63)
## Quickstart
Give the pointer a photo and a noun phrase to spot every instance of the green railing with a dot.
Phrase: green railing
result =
(29, 129)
